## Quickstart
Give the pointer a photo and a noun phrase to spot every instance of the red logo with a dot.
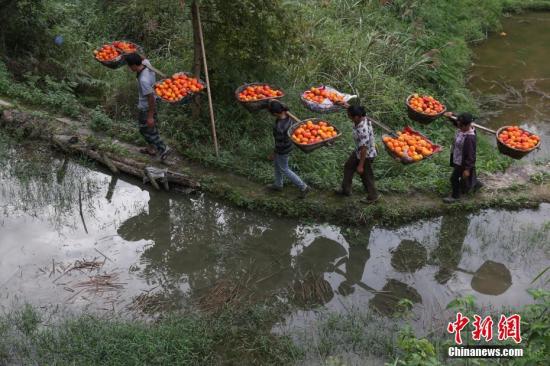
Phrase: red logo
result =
(482, 328)
(457, 326)
(508, 327)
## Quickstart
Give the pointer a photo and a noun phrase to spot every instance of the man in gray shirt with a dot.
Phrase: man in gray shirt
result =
(147, 107)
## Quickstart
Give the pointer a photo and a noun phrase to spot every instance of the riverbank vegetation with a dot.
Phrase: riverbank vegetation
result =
(379, 52)
(243, 336)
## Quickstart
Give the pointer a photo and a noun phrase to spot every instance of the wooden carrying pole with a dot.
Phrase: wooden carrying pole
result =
(483, 128)
(205, 64)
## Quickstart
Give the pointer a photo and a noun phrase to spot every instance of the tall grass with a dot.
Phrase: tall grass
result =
(380, 53)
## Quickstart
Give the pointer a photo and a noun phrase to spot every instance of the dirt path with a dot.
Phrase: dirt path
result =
(524, 186)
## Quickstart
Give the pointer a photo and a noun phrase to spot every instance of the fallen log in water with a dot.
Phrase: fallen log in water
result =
(64, 137)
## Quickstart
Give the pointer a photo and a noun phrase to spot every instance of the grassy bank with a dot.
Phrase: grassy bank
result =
(380, 53)
(526, 190)
(243, 337)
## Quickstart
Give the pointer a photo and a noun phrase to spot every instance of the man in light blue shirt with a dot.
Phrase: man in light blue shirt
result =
(147, 107)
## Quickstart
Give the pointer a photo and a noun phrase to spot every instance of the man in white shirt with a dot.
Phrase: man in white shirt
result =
(362, 157)
(147, 117)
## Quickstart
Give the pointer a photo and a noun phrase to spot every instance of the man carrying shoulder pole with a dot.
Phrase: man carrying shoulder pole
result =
(147, 108)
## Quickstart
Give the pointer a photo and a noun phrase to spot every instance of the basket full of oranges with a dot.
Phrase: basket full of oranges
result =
(312, 134)
(323, 99)
(516, 142)
(178, 89)
(256, 96)
(109, 56)
(410, 146)
(112, 54)
(127, 47)
(424, 108)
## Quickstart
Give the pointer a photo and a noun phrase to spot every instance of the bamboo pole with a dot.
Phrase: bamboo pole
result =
(197, 60)
(483, 128)
(208, 90)
(294, 117)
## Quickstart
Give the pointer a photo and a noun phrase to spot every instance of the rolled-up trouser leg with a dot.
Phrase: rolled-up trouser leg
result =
(150, 134)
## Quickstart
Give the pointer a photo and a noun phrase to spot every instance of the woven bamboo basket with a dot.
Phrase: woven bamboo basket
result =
(138, 50)
(421, 117)
(319, 108)
(510, 151)
(256, 105)
(113, 64)
(309, 148)
(436, 148)
(185, 100)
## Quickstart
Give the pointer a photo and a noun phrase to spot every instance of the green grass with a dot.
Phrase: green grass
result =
(378, 53)
(244, 337)
(188, 339)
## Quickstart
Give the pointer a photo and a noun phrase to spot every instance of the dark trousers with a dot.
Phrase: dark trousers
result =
(460, 184)
(456, 181)
(150, 134)
(350, 168)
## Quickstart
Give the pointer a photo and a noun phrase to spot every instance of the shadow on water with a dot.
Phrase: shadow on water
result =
(170, 251)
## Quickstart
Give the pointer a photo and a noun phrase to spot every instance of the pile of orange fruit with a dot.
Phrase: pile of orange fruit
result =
(409, 146)
(177, 87)
(107, 52)
(426, 105)
(318, 95)
(254, 93)
(126, 47)
(517, 138)
(311, 133)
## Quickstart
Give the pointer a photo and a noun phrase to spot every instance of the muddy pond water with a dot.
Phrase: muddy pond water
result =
(74, 238)
(511, 77)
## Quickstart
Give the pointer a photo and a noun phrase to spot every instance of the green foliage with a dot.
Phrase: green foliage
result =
(27, 320)
(416, 352)
(244, 337)
(99, 121)
(536, 330)
(43, 91)
(380, 53)
(188, 339)
(465, 304)
(258, 37)
(25, 24)
(540, 178)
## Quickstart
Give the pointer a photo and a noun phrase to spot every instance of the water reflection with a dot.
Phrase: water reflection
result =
(386, 301)
(199, 243)
(492, 278)
(178, 248)
(449, 251)
(410, 256)
(356, 260)
(154, 225)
